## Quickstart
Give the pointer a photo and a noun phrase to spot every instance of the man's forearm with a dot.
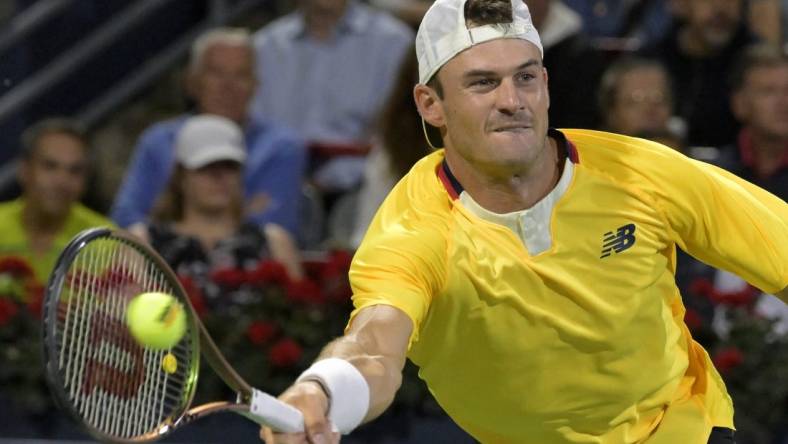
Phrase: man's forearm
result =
(382, 373)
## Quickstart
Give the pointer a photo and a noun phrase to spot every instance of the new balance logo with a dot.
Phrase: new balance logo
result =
(618, 241)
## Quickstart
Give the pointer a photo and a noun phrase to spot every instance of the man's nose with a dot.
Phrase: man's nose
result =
(509, 99)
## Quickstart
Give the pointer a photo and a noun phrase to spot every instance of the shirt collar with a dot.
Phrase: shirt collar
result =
(355, 20)
(454, 187)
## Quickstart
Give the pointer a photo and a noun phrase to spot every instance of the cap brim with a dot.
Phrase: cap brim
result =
(217, 154)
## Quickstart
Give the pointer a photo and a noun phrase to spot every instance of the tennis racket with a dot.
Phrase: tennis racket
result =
(119, 391)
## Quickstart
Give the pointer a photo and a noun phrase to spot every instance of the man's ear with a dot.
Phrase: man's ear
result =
(429, 105)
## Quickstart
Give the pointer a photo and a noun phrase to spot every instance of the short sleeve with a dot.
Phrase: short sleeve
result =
(401, 263)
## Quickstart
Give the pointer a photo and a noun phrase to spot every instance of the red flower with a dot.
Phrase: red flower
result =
(195, 295)
(693, 320)
(334, 276)
(305, 291)
(229, 277)
(8, 310)
(260, 333)
(35, 300)
(741, 298)
(16, 266)
(728, 359)
(338, 265)
(269, 271)
(285, 353)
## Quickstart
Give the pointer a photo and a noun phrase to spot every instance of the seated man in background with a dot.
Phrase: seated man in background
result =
(38, 225)
(410, 11)
(697, 53)
(759, 101)
(635, 99)
(221, 80)
(197, 223)
(336, 61)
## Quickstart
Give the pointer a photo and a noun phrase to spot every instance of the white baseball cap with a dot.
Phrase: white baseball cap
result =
(207, 138)
(443, 33)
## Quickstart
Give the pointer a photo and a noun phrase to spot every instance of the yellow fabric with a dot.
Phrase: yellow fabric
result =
(14, 240)
(566, 346)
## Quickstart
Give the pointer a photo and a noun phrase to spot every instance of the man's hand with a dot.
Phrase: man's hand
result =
(312, 401)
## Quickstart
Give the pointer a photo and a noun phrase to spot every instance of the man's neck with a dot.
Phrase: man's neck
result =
(41, 227)
(768, 152)
(321, 25)
(515, 191)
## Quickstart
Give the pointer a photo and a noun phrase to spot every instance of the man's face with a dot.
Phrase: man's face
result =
(762, 103)
(495, 104)
(53, 178)
(213, 188)
(642, 102)
(714, 21)
(224, 82)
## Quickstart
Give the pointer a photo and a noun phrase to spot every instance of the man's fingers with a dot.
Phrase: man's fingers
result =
(319, 430)
(311, 400)
(270, 437)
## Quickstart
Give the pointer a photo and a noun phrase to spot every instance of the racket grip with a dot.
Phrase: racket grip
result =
(267, 410)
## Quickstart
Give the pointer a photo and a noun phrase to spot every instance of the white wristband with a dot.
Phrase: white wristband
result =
(347, 390)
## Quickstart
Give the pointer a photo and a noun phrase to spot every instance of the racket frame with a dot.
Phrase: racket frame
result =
(252, 403)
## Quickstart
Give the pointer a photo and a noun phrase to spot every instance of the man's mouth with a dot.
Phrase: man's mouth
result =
(512, 128)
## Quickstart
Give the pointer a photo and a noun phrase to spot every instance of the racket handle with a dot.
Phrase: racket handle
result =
(266, 410)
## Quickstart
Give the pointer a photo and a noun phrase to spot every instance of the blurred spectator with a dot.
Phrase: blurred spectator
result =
(53, 171)
(644, 22)
(335, 64)
(400, 144)
(760, 155)
(765, 19)
(760, 103)
(221, 81)
(410, 11)
(573, 67)
(697, 54)
(635, 99)
(197, 224)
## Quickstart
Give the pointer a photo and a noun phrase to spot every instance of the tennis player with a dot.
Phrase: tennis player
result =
(529, 272)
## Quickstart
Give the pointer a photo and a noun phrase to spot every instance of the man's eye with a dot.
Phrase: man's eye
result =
(482, 82)
(526, 77)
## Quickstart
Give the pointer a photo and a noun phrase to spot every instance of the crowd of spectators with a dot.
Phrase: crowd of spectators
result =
(313, 113)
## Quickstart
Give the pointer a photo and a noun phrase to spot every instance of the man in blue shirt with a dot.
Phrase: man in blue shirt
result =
(335, 63)
(221, 80)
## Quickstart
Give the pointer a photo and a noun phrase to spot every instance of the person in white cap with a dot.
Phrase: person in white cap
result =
(198, 225)
(529, 272)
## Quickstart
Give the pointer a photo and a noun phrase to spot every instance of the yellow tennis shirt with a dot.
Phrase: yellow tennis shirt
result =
(14, 241)
(583, 342)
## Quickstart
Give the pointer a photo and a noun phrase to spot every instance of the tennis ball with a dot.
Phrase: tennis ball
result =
(156, 320)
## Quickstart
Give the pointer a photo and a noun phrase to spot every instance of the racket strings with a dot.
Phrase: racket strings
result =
(116, 386)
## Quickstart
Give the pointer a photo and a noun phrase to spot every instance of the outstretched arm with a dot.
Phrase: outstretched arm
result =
(376, 345)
